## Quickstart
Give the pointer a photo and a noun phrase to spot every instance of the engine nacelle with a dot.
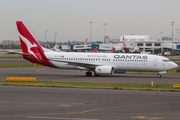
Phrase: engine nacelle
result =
(104, 70)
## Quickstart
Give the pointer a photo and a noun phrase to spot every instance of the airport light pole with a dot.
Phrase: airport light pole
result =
(176, 33)
(161, 35)
(161, 44)
(55, 37)
(172, 23)
(45, 37)
(91, 31)
(104, 31)
(177, 36)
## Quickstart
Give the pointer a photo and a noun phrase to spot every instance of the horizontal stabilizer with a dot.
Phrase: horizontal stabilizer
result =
(20, 53)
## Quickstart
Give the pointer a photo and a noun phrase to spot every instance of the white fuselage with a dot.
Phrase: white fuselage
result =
(120, 62)
(99, 63)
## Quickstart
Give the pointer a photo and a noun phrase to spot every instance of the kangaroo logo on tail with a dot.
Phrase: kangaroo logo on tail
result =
(31, 49)
(31, 45)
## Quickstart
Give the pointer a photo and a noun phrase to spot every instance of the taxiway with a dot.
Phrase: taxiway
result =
(51, 74)
(32, 103)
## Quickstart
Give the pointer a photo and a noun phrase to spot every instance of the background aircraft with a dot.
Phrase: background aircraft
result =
(126, 49)
(55, 48)
(9, 51)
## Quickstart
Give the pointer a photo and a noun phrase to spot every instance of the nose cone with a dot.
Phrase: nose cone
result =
(173, 65)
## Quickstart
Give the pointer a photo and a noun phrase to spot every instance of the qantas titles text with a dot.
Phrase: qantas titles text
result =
(130, 57)
(123, 56)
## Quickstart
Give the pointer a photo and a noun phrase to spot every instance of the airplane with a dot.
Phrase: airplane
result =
(48, 45)
(99, 63)
(95, 50)
(9, 51)
(55, 48)
(106, 48)
(126, 49)
(85, 42)
(117, 49)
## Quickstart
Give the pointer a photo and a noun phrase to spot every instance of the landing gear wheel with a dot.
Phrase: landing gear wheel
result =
(88, 74)
(96, 74)
(159, 76)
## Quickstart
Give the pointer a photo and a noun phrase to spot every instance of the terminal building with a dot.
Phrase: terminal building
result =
(140, 41)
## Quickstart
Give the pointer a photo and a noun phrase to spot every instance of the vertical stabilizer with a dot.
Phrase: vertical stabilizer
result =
(27, 40)
(85, 42)
(124, 44)
(30, 46)
(95, 50)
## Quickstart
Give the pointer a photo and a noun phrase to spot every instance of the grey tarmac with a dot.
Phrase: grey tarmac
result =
(42, 103)
(51, 74)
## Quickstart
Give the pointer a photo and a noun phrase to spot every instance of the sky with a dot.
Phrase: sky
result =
(71, 18)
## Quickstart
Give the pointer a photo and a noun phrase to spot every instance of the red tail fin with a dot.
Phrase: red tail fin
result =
(48, 45)
(85, 42)
(114, 48)
(27, 40)
(95, 50)
(124, 42)
(31, 46)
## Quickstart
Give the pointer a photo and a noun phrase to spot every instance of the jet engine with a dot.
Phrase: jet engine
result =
(104, 70)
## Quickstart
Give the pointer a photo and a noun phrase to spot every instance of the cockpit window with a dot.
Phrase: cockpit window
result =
(166, 60)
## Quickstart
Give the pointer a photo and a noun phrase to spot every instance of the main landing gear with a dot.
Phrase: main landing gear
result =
(88, 74)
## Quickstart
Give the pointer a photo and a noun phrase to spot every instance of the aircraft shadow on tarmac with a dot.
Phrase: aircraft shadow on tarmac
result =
(102, 76)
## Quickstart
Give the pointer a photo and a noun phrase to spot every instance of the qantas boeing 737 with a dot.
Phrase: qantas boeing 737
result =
(99, 63)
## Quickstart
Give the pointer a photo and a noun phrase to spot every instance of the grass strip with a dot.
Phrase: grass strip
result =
(9, 55)
(171, 72)
(20, 59)
(22, 65)
(93, 85)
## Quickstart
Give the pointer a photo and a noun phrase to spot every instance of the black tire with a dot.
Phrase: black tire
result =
(159, 76)
(88, 74)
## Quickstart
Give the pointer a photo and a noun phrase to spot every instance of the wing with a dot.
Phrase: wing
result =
(80, 64)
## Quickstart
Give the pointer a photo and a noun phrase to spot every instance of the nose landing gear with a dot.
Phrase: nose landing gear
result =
(159, 75)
